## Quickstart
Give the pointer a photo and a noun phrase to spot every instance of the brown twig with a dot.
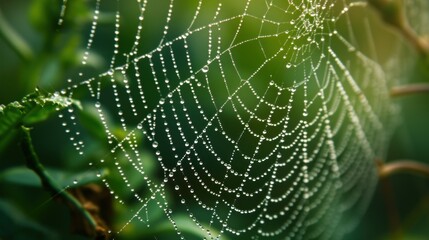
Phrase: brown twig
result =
(388, 169)
(393, 13)
(421, 44)
(409, 89)
(387, 192)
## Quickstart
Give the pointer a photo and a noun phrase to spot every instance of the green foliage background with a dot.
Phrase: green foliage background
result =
(399, 210)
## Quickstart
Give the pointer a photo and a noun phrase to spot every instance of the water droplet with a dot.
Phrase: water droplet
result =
(155, 144)
(205, 69)
(176, 187)
(288, 65)
(139, 126)
(75, 181)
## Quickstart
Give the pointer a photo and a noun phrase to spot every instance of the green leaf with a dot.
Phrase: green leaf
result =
(25, 176)
(14, 40)
(91, 121)
(33, 108)
(188, 226)
(185, 225)
(39, 107)
(43, 13)
(22, 176)
(15, 225)
(65, 179)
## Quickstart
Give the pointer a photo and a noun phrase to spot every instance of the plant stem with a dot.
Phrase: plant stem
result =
(421, 44)
(388, 169)
(391, 209)
(12, 38)
(33, 163)
(409, 89)
(393, 13)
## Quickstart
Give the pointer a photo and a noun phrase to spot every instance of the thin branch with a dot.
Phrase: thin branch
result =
(420, 43)
(388, 169)
(33, 163)
(15, 41)
(391, 207)
(393, 13)
(409, 89)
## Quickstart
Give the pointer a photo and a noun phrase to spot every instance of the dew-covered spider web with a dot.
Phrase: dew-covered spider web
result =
(264, 118)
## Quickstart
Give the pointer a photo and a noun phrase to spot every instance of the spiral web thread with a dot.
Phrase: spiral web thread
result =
(265, 117)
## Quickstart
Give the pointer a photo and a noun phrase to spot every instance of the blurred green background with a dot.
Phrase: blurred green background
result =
(399, 209)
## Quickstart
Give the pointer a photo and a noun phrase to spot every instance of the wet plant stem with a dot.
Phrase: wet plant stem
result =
(33, 163)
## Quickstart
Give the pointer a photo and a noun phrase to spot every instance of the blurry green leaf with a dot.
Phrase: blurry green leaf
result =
(188, 226)
(25, 176)
(134, 177)
(49, 71)
(33, 108)
(95, 60)
(43, 14)
(70, 44)
(120, 134)
(149, 165)
(106, 18)
(14, 225)
(185, 225)
(22, 176)
(14, 40)
(77, 13)
(91, 121)
(71, 54)
(80, 179)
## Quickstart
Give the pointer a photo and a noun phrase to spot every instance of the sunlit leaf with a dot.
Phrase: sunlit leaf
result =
(33, 108)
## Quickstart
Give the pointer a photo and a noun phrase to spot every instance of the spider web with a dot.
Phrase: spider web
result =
(265, 117)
